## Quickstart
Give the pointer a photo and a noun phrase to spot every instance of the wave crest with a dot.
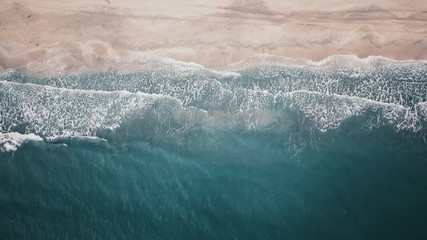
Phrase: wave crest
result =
(172, 98)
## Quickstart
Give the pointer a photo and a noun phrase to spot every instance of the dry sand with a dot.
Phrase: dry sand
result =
(56, 36)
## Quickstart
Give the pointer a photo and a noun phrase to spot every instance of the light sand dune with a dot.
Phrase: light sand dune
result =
(48, 36)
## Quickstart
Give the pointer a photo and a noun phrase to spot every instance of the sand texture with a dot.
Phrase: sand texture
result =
(59, 36)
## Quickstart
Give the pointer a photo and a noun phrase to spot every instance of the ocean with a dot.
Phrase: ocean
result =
(326, 150)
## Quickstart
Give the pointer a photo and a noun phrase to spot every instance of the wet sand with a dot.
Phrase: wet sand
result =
(51, 37)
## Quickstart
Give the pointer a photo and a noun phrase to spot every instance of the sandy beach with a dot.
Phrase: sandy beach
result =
(48, 37)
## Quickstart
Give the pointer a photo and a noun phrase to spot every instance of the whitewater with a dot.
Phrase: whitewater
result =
(326, 92)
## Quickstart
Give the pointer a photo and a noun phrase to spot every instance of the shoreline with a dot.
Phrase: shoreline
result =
(48, 37)
(137, 62)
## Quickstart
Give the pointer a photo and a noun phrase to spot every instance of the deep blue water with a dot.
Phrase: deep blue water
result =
(277, 152)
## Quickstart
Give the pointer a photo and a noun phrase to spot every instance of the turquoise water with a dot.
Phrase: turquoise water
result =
(182, 152)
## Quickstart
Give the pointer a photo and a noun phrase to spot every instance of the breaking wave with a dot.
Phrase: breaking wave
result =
(170, 98)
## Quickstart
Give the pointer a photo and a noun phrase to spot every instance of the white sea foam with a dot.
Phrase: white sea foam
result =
(93, 139)
(327, 92)
(329, 111)
(65, 113)
(12, 140)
